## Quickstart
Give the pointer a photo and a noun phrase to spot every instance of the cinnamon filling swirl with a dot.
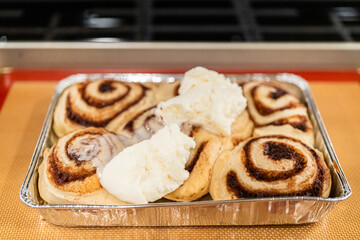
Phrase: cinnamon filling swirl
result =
(80, 155)
(298, 121)
(276, 151)
(234, 186)
(130, 125)
(77, 118)
(105, 87)
(277, 93)
(270, 166)
(63, 174)
(265, 110)
(80, 148)
(84, 150)
(276, 111)
(141, 127)
(82, 118)
(191, 164)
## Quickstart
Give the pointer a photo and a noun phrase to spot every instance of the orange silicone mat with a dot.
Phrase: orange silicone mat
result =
(21, 120)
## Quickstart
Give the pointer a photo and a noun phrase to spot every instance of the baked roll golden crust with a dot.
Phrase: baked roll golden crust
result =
(270, 166)
(199, 165)
(242, 128)
(68, 173)
(275, 111)
(106, 103)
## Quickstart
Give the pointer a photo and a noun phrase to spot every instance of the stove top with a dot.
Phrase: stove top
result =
(180, 20)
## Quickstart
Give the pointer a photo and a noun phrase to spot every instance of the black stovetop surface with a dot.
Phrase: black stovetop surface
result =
(181, 20)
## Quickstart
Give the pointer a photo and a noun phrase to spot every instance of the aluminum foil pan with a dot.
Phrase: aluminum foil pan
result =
(252, 211)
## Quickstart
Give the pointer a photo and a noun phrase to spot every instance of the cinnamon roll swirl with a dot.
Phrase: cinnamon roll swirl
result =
(69, 171)
(270, 166)
(103, 103)
(141, 127)
(276, 111)
(200, 165)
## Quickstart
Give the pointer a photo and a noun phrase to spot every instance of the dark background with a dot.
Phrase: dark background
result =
(181, 20)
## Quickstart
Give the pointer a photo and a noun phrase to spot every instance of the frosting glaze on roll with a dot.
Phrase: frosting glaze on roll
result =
(270, 166)
(276, 111)
(141, 127)
(69, 171)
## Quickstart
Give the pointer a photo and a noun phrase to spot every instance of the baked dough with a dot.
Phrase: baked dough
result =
(200, 165)
(68, 174)
(270, 166)
(242, 128)
(276, 111)
(106, 103)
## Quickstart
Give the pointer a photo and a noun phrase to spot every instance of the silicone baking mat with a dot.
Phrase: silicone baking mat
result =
(22, 117)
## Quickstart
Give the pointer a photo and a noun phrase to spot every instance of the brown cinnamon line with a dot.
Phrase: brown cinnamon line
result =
(264, 110)
(130, 125)
(278, 93)
(275, 151)
(301, 124)
(193, 162)
(106, 86)
(176, 90)
(101, 103)
(62, 175)
(194, 130)
(233, 184)
(77, 118)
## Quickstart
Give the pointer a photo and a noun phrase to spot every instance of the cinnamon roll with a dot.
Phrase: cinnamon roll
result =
(270, 166)
(106, 103)
(166, 90)
(69, 171)
(276, 111)
(141, 127)
(144, 124)
(200, 165)
(242, 128)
